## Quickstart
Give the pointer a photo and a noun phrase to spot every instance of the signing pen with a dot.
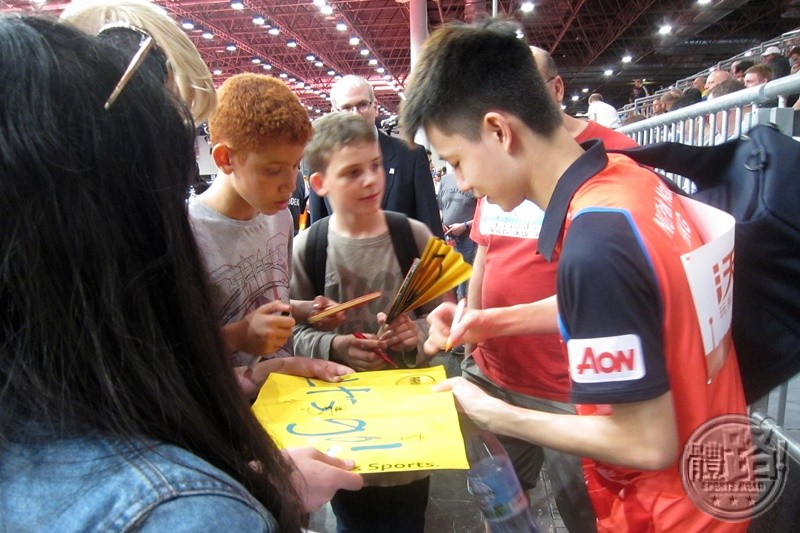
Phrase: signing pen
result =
(457, 316)
(377, 351)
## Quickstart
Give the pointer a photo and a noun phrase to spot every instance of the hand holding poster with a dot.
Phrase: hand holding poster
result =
(386, 421)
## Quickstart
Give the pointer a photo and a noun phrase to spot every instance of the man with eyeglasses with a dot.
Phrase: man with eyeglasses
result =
(409, 186)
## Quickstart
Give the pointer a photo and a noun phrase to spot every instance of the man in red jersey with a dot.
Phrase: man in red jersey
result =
(635, 341)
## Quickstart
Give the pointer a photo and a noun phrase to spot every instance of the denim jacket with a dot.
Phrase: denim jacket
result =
(98, 484)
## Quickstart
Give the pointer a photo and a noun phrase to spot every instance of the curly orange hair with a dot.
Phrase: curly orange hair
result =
(254, 110)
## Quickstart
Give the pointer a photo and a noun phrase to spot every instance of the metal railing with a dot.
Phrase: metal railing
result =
(710, 123)
(785, 41)
(718, 120)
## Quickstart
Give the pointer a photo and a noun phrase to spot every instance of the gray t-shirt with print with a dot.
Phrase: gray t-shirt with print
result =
(249, 263)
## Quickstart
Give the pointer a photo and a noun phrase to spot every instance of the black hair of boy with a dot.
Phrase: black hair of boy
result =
(464, 72)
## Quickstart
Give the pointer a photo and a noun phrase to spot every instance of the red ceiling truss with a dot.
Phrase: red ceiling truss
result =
(586, 37)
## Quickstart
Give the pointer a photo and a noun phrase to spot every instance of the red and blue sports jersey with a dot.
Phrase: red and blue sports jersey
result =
(535, 365)
(627, 315)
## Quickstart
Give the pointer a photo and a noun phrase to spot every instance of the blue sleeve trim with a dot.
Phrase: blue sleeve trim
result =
(608, 288)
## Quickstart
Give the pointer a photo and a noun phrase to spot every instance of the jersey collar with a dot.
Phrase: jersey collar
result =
(593, 160)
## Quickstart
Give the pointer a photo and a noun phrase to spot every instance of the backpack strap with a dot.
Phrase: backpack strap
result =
(704, 165)
(405, 247)
(317, 254)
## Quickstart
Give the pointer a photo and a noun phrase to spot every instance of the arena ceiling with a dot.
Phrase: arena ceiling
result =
(586, 37)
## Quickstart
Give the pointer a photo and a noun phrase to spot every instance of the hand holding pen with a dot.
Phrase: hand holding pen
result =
(358, 351)
(377, 351)
(457, 316)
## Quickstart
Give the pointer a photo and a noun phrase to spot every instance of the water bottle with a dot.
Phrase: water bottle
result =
(494, 484)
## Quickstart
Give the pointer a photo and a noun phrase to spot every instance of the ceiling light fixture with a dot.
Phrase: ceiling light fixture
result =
(326, 10)
(373, 62)
(608, 72)
(665, 29)
(217, 72)
(187, 24)
(291, 43)
(230, 47)
(331, 73)
(266, 66)
(258, 20)
(353, 41)
(527, 7)
(274, 31)
(207, 34)
(310, 57)
(237, 4)
(627, 59)
(256, 60)
(319, 64)
(364, 52)
(341, 26)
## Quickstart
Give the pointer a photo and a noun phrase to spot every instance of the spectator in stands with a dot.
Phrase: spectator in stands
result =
(779, 63)
(729, 116)
(714, 79)
(758, 75)
(738, 68)
(601, 112)
(726, 87)
(633, 118)
(794, 59)
(690, 96)
(669, 98)
(699, 83)
(638, 91)
(657, 108)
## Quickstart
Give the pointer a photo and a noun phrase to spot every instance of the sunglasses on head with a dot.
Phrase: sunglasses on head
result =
(130, 38)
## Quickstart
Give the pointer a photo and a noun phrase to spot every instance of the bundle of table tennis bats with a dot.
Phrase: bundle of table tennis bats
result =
(439, 269)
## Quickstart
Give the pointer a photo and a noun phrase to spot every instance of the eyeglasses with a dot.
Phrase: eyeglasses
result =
(122, 36)
(361, 106)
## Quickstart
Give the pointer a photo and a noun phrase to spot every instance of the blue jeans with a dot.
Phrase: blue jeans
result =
(466, 247)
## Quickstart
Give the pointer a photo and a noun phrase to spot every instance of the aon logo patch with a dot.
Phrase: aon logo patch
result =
(606, 359)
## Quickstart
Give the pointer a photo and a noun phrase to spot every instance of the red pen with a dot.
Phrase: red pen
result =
(377, 351)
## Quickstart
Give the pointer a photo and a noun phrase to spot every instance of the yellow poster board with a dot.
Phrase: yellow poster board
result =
(386, 421)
